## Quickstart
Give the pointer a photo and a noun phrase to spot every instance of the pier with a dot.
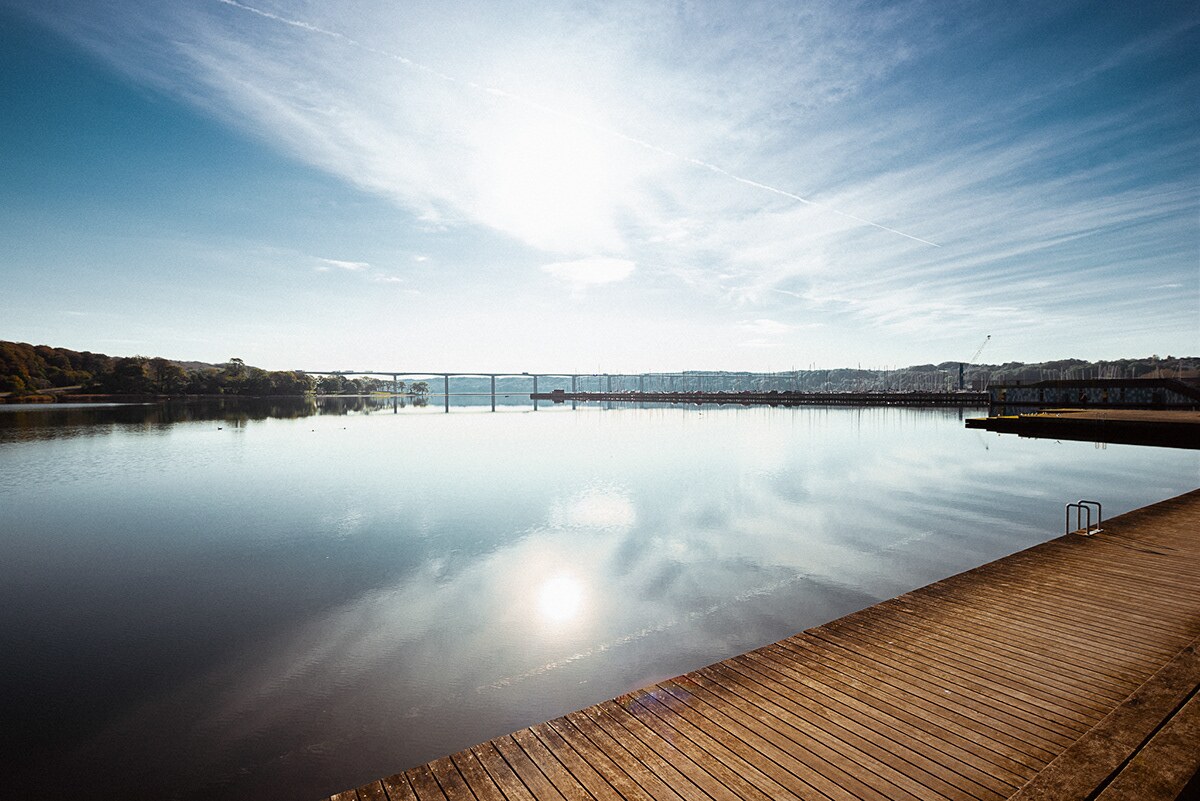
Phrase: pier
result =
(1067, 670)
(1160, 428)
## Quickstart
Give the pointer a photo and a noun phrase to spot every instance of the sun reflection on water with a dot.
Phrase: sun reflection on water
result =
(560, 599)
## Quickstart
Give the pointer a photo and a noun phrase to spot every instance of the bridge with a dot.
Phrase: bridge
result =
(794, 387)
(604, 380)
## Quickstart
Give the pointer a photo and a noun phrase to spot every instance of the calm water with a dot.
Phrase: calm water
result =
(208, 602)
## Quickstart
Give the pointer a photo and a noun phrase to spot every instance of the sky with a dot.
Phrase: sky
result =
(600, 187)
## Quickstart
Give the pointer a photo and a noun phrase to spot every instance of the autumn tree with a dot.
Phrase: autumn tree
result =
(166, 376)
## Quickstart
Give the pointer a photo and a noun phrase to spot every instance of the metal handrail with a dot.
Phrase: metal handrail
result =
(1081, 508)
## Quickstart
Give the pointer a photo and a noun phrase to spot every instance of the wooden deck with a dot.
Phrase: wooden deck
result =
(1069, 670)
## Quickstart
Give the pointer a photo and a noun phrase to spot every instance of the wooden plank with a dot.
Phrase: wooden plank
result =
(372, 792)
(924, 701)
(1115, 629)
(1071, 640)
(719, 746)
(833, 757)
(1069, 607)
(1026, 620)
(1088, 762)
(605, 751)
(710, 774)
(531, 776)
(937, 723)
(1063, 677)
(476, 777)
(425, 784)
(863, 756)
(551, 766)
(793, 765)
(1041, 686)
(398, 788)
(1102, 566)
(1020, 611)
(601, 780)
(1109, 554)
(1031, 648)
(680, 773)
(1030, 704)
(1163, 767)
(972, 697)
(884, 742)
(499, 772)
(942, 746)
(449, 779)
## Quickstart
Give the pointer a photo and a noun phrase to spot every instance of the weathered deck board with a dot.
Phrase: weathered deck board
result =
(1064, 671)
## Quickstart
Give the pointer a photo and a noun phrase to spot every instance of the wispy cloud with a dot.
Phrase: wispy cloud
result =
(364, 269)
(349, 266)
(570, 119)
(764, 327)
(590, 272)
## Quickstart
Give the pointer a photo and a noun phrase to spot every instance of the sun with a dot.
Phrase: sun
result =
(551, 179)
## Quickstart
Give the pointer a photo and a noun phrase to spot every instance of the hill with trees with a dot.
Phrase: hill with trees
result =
(37, 369)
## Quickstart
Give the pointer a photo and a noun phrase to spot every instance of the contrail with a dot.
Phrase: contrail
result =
(509, 96)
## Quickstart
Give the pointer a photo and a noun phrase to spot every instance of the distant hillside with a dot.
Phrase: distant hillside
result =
(921, 377)
(37, 369)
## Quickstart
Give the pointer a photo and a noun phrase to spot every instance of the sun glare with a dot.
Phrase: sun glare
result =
(548, 177)
(560, 599)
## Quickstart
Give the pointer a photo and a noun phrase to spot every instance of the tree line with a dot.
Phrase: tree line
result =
(365, 385)
(34, 369)
(38, 369)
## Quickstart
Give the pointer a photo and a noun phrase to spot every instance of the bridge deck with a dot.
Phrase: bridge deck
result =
(1061, 671)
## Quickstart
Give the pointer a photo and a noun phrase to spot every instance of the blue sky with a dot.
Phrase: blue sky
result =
(619, 186)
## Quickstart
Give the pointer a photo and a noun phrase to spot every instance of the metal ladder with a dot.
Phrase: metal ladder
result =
(1083, 515)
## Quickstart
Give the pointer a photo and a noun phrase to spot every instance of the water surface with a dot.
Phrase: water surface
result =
(224, 601)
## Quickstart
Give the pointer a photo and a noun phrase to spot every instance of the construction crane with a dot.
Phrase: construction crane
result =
(962, 366)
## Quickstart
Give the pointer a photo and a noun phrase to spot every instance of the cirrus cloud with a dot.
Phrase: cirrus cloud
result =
(591, 271)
